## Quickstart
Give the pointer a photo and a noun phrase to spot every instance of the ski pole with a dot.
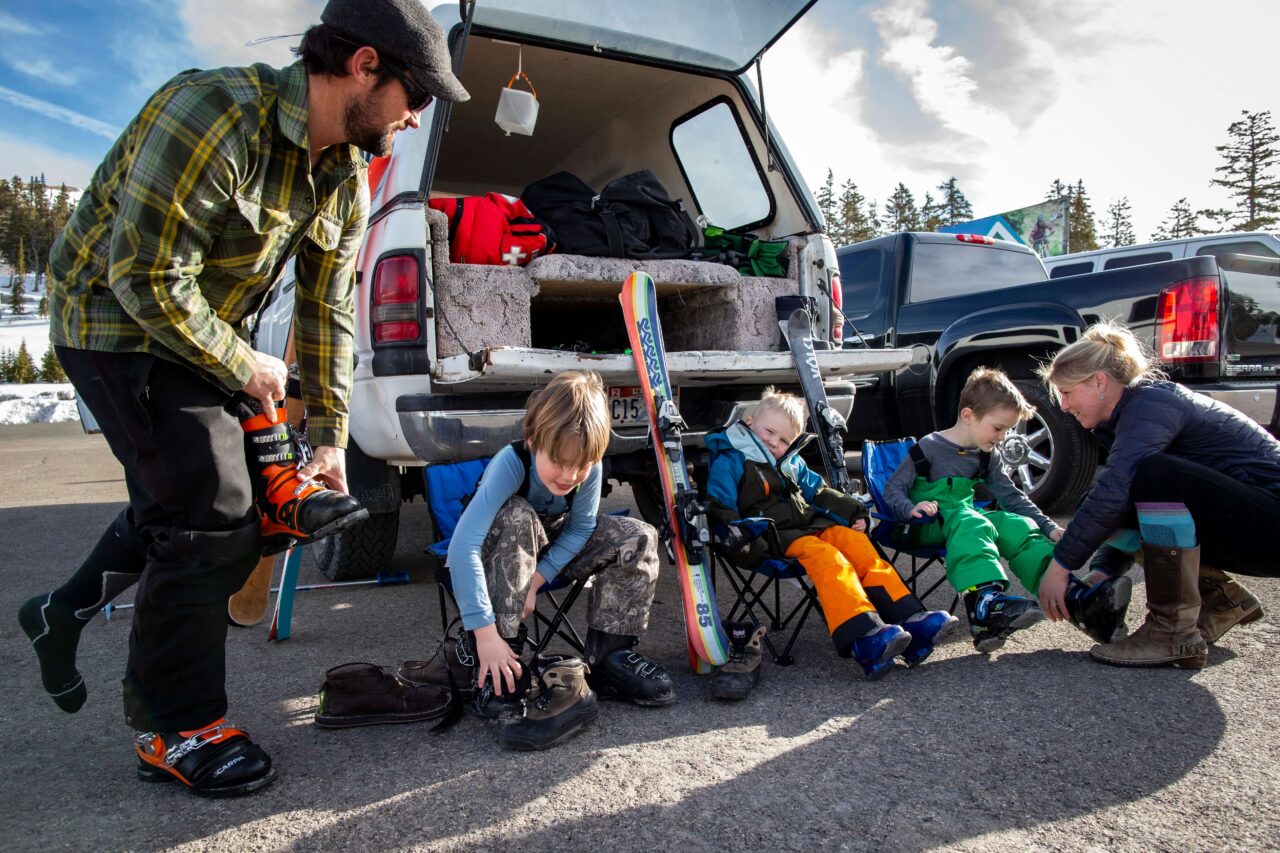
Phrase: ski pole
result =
(390, 579)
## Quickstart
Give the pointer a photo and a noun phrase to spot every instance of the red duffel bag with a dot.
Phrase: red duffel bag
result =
(493, 229)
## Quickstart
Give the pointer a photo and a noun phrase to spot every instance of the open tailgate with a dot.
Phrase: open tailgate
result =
(520, 367)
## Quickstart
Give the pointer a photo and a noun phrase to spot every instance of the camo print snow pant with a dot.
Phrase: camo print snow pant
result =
(622, 553)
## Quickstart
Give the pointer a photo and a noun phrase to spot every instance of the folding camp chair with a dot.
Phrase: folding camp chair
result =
(879, 460)
(447, 486)
(758, 589)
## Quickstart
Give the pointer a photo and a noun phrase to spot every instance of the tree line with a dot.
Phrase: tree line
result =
(32, 216)
(1248, 172)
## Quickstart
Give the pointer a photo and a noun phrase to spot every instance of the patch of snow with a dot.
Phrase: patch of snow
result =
(37, 403)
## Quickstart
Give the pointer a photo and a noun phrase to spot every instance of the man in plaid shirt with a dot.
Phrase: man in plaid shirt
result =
(221, 178)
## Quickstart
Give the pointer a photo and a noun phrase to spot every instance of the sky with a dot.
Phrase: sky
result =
(1129, 95)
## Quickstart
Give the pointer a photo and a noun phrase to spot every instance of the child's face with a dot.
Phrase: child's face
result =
(774, 429)
(559, 478)
(990, 429)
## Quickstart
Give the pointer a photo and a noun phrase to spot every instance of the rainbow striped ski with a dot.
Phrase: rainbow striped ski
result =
(687, 528)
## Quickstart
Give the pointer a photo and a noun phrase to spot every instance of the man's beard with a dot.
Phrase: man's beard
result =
(363, 133)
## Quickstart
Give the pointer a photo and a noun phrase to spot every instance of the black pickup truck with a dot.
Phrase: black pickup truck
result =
(959, 301)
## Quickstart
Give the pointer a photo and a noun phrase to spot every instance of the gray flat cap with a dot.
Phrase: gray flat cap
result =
(405, 31)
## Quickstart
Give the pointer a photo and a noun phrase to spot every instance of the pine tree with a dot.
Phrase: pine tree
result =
(955, 207)
(1058, 190)
(855, 226)
(18, 289)
(827, 206)
(1249, 174)
(1082, 233)
(23, 369)
(900, 211)
(50, 368)
(43, 308)
(1119, 225)
(873, 217)
(1181, 222)
(931, 217)
(6, 364)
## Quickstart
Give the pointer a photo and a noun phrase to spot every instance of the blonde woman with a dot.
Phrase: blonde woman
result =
(1199, 481)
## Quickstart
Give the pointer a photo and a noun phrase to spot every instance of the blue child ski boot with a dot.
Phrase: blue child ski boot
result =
(1099, 609)
(994, 615)
(926, 628)
(876, 650)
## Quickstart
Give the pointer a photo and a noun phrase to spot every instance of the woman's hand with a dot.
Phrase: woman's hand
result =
(1053, 591)
(531, 598)
(496, 659)
(929, 508)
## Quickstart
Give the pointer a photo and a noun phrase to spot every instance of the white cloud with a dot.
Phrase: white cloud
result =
(939, 76)
(41, 68)
(19, 156)
(10, 24)
(62, 114)
(219, 31)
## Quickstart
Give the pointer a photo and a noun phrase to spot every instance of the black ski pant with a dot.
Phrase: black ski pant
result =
(1235, 522)
(191, 497)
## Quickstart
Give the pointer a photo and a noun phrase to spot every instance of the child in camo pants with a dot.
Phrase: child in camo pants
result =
(534, 518)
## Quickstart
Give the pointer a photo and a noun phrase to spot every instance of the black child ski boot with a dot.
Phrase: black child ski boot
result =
(293, 509)
(216, 761)
(1099, 609)
(618, 672)
(559, 705)
(740, 674)
(508, 705)
(994, 615)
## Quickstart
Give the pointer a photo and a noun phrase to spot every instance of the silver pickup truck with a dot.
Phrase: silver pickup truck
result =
(448, 353)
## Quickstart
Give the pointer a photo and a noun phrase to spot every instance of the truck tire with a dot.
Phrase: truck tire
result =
(360, 551)
(648, 498)
(1062, 458)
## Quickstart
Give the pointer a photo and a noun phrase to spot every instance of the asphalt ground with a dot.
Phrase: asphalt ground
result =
(1033, 748)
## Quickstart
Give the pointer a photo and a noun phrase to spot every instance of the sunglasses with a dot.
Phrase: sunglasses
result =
(419, 99)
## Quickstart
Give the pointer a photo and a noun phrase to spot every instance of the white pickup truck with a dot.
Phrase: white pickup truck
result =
(448, 353)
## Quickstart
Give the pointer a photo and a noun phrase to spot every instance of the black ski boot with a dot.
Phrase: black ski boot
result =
(740, 674)
(617, 672)
(216, 761)
(1111, 562)
(994, 615)
(559, 705)
(1099, 609)
(293, 509)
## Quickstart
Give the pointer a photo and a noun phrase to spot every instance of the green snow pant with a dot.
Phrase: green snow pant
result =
(976, 539)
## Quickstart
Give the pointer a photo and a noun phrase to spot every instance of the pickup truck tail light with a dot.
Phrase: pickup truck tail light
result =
(395, 300)
(976, 238)
(1187, 321)
(837, 317)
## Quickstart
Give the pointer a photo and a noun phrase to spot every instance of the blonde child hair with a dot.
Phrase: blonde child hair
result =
(1108, 348)
(988, 389)
(789, 406)
(568, 420)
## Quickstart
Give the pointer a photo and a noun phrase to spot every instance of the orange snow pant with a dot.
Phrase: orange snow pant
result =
(859, 591)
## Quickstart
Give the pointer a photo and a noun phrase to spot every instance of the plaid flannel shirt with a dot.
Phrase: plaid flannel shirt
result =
(189, 221)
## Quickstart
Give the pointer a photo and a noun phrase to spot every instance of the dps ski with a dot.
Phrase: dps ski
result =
(827, 422)
(686, 525)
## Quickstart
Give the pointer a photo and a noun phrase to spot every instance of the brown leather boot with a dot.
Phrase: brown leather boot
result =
(1169, 636)
(1224, 603)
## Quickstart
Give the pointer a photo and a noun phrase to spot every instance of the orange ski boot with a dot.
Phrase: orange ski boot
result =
(216, 761)
(294, 511)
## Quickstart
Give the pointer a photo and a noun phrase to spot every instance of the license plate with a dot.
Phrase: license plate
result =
(626, 405)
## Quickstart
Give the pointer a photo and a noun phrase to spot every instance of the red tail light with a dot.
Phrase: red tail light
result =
(976, 238)
(1187, 321)
(837, 299)
(395, 300)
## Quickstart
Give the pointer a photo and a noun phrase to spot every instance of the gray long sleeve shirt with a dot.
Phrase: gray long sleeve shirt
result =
(948, 459)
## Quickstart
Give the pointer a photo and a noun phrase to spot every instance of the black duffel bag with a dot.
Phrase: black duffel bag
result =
(632, 217)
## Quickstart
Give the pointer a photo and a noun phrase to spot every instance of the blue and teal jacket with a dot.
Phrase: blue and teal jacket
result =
(746, 481)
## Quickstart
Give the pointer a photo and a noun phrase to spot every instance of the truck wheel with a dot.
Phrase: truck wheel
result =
(360, 551)
(648, 497)
(1059, 456)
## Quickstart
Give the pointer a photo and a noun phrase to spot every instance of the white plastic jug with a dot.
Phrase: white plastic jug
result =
(517, 109)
